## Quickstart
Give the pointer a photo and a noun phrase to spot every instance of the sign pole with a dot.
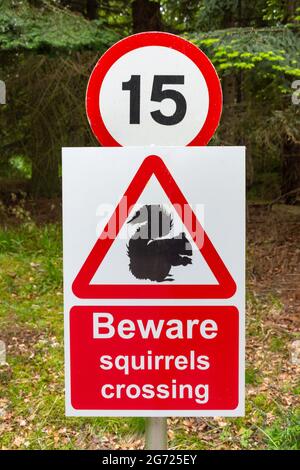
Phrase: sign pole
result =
(156, 434)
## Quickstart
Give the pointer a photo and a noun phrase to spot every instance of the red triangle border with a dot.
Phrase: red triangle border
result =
(82, 287)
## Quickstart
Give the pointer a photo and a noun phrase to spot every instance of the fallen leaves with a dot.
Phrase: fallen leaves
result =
(31, 403)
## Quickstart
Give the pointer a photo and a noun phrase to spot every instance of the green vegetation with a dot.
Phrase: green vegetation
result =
(32, 384)
(25, 27)
(255, 47)
(31, 320)
(266, 50)
(48, 49)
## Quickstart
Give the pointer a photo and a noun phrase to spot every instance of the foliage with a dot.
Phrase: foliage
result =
(262, 63)
(49, 28)
(54, 87)
(273, 53)
(255, 44)
(180, 16)
(218, 14)
(116, 15)
(285, 436)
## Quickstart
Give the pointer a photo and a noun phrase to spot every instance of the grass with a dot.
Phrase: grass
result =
(252, 376)
(32, 384)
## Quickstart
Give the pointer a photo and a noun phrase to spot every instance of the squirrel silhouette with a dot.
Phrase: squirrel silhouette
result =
(152, 256)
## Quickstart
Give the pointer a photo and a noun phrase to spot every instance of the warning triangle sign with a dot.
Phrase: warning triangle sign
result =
(82, 285)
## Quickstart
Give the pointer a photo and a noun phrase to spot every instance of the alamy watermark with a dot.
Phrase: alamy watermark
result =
(296, 94)
(150, 221)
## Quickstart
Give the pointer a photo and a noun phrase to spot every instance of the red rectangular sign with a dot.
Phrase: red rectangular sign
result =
(154, 358)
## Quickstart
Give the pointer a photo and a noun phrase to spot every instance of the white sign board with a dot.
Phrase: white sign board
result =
(154, 263)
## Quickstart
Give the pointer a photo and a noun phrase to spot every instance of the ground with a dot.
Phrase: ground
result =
(31, 324)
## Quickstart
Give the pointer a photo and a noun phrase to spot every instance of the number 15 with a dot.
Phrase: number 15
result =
(158, 95)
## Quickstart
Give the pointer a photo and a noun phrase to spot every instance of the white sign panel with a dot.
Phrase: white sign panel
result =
(154, 262)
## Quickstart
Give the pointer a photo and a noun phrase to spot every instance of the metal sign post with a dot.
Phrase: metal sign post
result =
(156, 434)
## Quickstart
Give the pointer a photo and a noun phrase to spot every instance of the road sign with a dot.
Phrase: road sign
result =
(154, 88)
(166, 232)
(133, 360)
(154, 166)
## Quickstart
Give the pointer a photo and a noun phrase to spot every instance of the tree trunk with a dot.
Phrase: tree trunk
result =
(146, 16)
(92, 9)
(229, 86)
(290, 10)
(45, 180)
(290, 171)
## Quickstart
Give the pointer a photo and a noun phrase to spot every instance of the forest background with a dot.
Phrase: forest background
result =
(47, 51)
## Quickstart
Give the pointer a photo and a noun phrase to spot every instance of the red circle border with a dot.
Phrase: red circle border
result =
(153, 39)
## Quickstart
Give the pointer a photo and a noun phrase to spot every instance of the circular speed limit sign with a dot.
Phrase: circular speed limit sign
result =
(154, 88)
